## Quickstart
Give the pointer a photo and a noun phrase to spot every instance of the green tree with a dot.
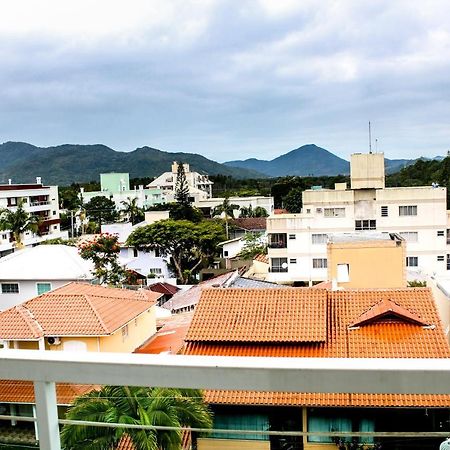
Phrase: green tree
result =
(259, 211)
(103, 251)
(137, 406)
(101, 210)
(226, 209)
(293, 200)
(132, 210)
(253, 245)
(187, 243)
(18, 221)
(181, 186)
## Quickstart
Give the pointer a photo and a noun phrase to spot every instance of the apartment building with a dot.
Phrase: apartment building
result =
(298, 242)
(37, 199)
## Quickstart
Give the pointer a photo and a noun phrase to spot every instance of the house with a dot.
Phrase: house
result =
(298, 242)
(33, 271)
(81, 317)
(232, 247)
(116, 187)
(308, 322)
(38, 200)
(166, 290)
(241, 226)
(200, 186)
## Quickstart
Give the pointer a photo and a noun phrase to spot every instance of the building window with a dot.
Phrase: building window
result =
(225, 253)
(135, 252)
(448, 262)
(407, 210)
(384, 211)
(42, 288)
(278, 265)
(334, 212)
(366, 224)
(277, 240)
(293, 261)
(308, 210)
(319, 238)
(124, 332)
(156, 270)
(410, 236)
(10, 288)
(55, 227)
(440, 258)
(412, 261)
(4, 236)
(54, 213)
(440, 233)
(320, 263)
(292, 236)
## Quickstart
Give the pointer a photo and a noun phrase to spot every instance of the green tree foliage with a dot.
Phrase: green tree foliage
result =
(135, 405)
(226, 209)
(253, 245)
(181, 186)
(18, 221)
(259, 211)
(293, 202)
(103, 251)
(132, 210)
(188, 243)
(101, 210)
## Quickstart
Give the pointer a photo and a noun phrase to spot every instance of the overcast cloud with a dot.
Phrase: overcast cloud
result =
(227, 79)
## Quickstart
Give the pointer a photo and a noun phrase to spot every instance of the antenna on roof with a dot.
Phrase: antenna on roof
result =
(376, 145)
(370, 139)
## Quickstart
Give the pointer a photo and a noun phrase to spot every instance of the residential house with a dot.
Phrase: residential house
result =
(33, 271)
(243, 225)
(298, 242)
(38, 200)
(308, 322)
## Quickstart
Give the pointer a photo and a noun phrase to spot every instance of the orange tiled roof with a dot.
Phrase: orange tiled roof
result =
(76, 309)
(260, 315)
(397, 338)
(12, 391)
(261, 257)
(125, 443)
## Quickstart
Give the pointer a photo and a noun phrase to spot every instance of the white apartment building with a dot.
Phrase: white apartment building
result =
(200, 186)
(298, 242)
(37, 199)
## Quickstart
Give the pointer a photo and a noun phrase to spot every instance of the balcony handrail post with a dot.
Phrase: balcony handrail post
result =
(47, 415)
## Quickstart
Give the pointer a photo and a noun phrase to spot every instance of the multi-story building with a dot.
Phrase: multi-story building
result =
(298, 242)
(200, 186)
(116, 187)
(38, 200)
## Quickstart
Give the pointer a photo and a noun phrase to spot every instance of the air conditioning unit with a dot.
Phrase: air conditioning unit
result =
(53, 340)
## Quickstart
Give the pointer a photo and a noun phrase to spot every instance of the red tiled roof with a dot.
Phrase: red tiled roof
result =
(253, 315)
(379, 339)
(164, 288)
(261, 258)
(251, 223)
(76, 309)
(125, 443)
(12, 391)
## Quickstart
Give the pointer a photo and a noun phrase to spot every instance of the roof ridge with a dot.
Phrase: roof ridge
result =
(29, 319)
(97, 315)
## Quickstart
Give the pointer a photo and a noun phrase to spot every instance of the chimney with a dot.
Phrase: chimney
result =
(38, 180)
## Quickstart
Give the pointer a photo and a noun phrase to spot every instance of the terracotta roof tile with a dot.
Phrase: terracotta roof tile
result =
(164, 288)
(261, 257)
(125, 443)
(378, 339)
(260, 315)
(12, 391)
(251, 223)
(76, 309)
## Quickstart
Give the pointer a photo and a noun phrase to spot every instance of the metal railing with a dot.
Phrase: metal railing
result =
(327, 375)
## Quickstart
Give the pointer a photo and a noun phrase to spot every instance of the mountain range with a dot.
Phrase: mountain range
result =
(64, 164)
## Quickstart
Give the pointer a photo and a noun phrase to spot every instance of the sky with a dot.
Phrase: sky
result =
(228, 79)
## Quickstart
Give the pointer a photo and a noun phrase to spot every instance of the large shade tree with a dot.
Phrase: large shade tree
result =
(18, 222)
(101, 210)
(135, 405)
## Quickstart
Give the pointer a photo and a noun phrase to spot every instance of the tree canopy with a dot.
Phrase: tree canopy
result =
(181, 186)
(18, 221)
(101, 210)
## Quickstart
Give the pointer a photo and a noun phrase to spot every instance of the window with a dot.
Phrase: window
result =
(279, 265)
(319, 238)
(55, 227)
(277, 240)
(10, 288)
(124, 332)
(412, 261)
(448, 262)
(334, 212)
(440, 258)
(440, 232)
(384, 211)
(225, 253)
(54, 213)
(308, 210)
(292, 236)
(319, 263)
(366, 224)
(155, 270)
(293, 261)
(343, 273)
(135, 252)
(410, 236)
(42, 288)
(407, 210)
(4, 236)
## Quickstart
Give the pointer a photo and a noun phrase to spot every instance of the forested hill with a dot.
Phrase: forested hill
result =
(68, 163)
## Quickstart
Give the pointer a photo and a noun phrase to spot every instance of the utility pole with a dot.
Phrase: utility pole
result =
(370, 139)
(71, 225)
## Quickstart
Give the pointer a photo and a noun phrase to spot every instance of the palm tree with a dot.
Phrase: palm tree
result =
(227, 210)
(135, 405)
(132, 210)
(18, 222)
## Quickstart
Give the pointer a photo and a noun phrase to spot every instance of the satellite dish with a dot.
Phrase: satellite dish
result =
(445, 445)
(284, 265)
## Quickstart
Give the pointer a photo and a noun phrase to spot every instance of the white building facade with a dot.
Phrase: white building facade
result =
(38, 200)
(298, 242)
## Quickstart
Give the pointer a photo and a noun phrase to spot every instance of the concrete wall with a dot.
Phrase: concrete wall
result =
(367, 171)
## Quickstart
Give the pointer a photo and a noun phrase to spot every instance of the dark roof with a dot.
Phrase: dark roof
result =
(251, 223)
(164, 288)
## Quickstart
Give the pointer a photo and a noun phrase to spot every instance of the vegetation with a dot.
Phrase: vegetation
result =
(132, 211)
(181, 186)
(18, 222)
(253, 246)
(103, 251)
(101, 210)
(293, 201)
(259, 211)
(135, 405)
(226, 209)
(189, 244)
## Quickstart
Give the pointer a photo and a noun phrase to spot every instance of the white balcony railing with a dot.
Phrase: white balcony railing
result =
(398, 376)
